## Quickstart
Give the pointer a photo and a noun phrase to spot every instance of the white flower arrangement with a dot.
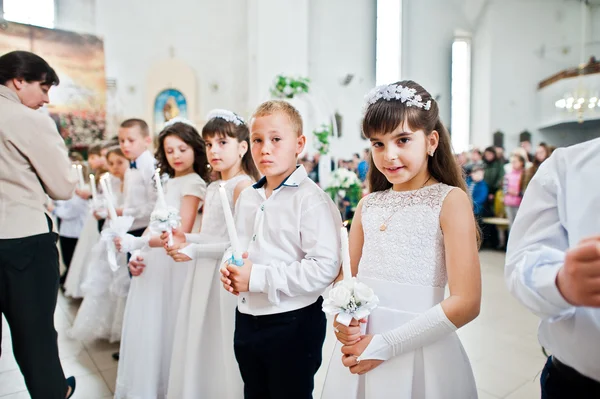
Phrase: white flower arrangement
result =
(165, 219)
(343, 178)
(393, 91)
(287, 87)
(350, 299)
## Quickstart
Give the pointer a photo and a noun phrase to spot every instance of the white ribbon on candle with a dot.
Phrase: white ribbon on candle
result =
(109, 201)
(233, 237)
(159, 188)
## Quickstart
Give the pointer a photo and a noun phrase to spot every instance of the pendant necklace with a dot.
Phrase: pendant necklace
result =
(383, 226)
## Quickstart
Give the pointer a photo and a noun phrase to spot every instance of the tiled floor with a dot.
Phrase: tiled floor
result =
(501, 344)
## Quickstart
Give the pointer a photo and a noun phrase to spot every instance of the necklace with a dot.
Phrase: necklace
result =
(383, 226)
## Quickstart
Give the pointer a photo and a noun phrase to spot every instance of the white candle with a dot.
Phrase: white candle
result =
(161, 194)
(346, 268)
(80, 175)
(93, 187)
(111, 208)
(106, 176)
(233, 237)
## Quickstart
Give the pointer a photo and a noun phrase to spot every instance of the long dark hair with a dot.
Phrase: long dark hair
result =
(385, 116)
(189, 135)
(221, 128)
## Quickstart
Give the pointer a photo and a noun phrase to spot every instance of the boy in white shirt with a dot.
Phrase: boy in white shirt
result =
(140, 195)
(291, 229)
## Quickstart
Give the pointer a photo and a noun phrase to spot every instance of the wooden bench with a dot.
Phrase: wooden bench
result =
(500, 222)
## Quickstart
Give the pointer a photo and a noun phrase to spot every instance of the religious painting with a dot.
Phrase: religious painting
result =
(169, 103)
(78, 103)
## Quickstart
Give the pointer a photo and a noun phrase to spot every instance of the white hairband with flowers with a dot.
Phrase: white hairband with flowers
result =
(395, 91)
(179, 119)
(225, 115)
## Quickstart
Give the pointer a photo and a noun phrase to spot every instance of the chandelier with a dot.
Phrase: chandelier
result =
(580, 101)
(583, 99)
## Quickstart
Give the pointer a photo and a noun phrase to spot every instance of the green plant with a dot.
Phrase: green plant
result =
(322, 135)
(287, 87)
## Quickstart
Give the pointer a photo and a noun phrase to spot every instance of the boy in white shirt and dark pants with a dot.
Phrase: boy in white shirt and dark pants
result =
(292, 232)
(553, 267)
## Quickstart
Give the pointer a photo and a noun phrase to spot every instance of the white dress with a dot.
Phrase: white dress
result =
(82, 257)
(203, 363)
(100, 315)
(405, 266)
(151, 311)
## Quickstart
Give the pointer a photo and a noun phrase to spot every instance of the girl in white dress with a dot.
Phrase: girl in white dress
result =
(410, 237)
(157, 283)
(100, 315)
(203, 363)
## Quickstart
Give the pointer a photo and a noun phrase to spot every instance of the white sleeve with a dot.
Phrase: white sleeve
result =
(320, 266)
(537, 245)
(421, 331)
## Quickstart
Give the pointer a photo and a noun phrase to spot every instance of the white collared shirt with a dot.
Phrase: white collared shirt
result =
(293, 240)
(139, 190)
(560, 208)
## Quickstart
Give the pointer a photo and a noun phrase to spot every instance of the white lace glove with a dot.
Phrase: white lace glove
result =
(423, 330)
(207, 250)
(130, 243)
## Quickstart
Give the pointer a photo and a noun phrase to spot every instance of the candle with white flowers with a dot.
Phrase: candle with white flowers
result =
(346, 268)
(109, 201)
(233, 237)
(161, 194)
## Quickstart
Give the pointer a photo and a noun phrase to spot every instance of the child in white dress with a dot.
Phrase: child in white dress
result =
(100, 315)
(153, 300)
(203, 363)
(410, 237)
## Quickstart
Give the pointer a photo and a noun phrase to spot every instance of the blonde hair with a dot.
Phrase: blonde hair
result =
(274, 106)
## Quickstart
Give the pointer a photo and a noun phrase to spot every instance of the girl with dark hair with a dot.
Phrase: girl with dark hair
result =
(205, 325)
(414, 234)
(153, 301)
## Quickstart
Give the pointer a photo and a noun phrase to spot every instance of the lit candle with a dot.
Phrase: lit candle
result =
(111, 208)
(346, 268)
(80, 175)
(93, 187)
(161, 194)
(233, 237)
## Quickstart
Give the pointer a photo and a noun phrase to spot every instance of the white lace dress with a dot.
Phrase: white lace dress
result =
(151, 311)
(100, 315)
(203, 363)
(405, 266)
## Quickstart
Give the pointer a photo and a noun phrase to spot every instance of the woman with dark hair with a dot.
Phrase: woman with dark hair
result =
(33, 165)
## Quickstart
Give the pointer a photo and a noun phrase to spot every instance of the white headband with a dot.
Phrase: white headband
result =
(178, 119)
(225, 115)
(394, 91)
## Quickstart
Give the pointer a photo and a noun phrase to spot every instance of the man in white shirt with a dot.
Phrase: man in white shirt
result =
(553, 267)
(291, 229)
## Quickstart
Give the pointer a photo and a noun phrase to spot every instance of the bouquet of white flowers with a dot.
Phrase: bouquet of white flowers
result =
(350, 299)
(164, 219)
(345, 184)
